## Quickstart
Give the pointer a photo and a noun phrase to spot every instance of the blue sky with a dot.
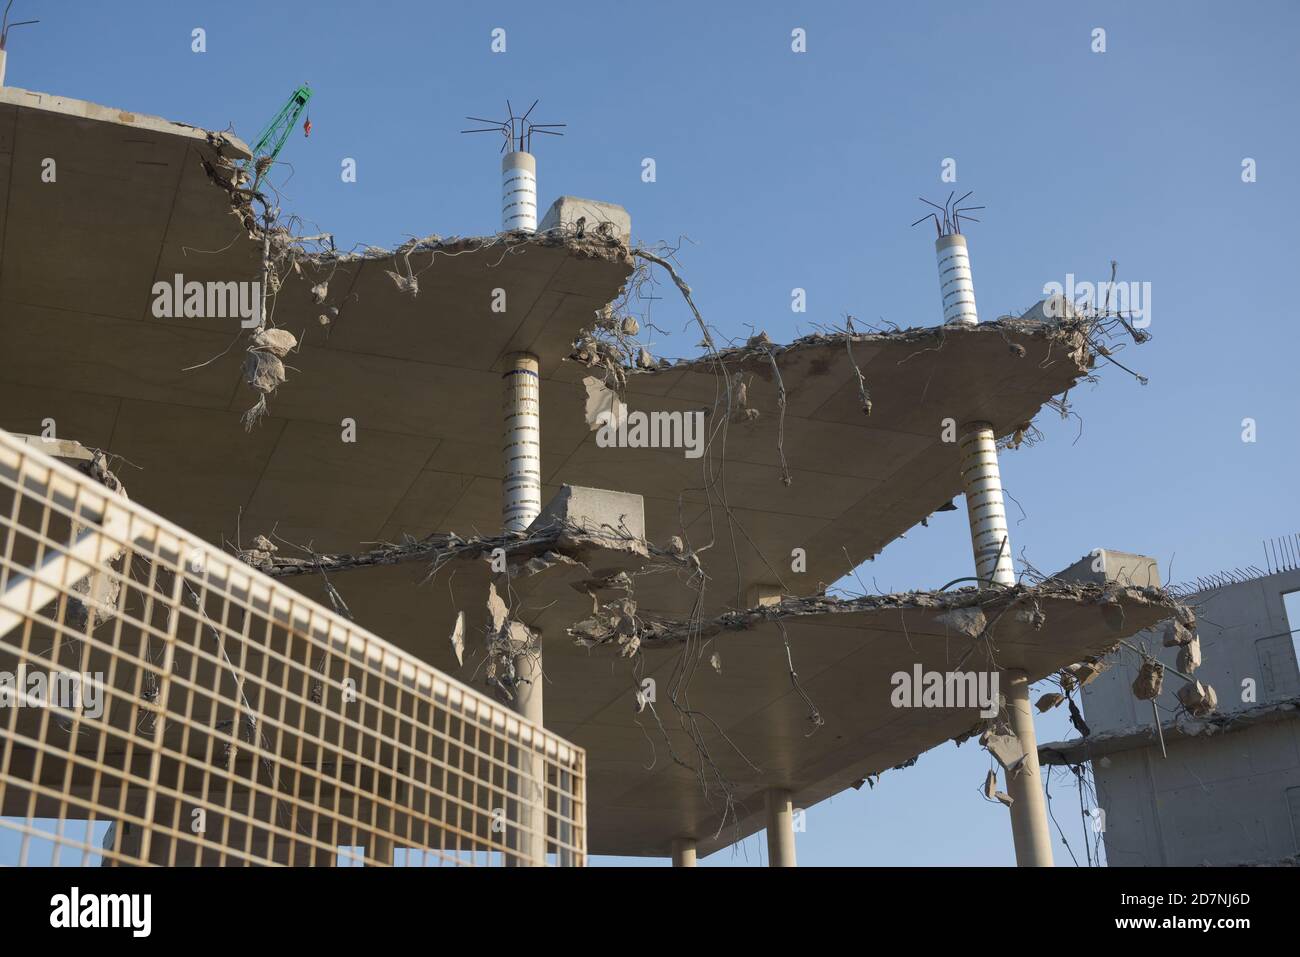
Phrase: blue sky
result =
(803, 170)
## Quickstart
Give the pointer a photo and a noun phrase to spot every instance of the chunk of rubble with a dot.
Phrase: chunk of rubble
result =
(1150, 680)
(1189, 656)
(1005, 748)
(458, 638)
(263, 371)
(602, 403)
(278, 342)
(1048, 701)
(1198, 698)
(1087, 671)
(1176, 633)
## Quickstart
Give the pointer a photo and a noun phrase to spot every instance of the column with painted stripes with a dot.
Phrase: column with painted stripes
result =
(982, 480)
(521, 486)
(519, 191)
(955, 283)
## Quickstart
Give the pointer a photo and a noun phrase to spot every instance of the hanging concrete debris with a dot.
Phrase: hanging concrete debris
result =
(741, 411)
(278, 342)
(603, 403)
(498, 613)
(1149, 681)
(626, 629)
(610, 344)
(506, 641)
(991, 791)
(264, 371)
(1086, 671)
(1198, 698)
(1048, 701)
(1189, 656)
(1176, 633)
(615, 621)
(1004, 746)
(407, 284)
(102, 591)
(458, 638)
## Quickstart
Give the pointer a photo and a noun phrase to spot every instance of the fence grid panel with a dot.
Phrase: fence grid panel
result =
(161, 703)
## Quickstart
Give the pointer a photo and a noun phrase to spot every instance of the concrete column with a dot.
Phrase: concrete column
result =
(519, 191)
(521, 494)
(780, 829)
(1025, 785)
(521, 503)
(991, 542)
(531, 784)
(955, 283)
(982, 480)
(684, 852)
(3, 55)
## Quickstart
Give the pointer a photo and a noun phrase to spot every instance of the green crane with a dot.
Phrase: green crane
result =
(272, 139)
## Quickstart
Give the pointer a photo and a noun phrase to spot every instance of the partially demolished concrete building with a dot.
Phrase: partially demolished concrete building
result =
(644, 569)
(1220, 789)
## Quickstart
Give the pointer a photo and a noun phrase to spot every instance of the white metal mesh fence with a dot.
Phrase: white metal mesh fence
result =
(162, 703)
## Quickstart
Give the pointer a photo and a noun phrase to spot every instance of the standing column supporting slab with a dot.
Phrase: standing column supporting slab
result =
(521, 503)
(684, 852)
(991, 542)
(1025, 785)
(521, 481)
(530, 783)
(982, 480)
(780, 828)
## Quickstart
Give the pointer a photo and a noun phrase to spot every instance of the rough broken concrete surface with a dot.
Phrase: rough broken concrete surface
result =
(1178, 727)
(843, 650)
(420, 375)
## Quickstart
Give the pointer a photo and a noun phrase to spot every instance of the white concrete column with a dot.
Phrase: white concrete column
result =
(521, 495)
(1029, 827)
(984, 507)
(684, 852)
(956, 285)
(991, 542)
(780, 829)
(519, 191)
(3, 56)
(521, 503)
